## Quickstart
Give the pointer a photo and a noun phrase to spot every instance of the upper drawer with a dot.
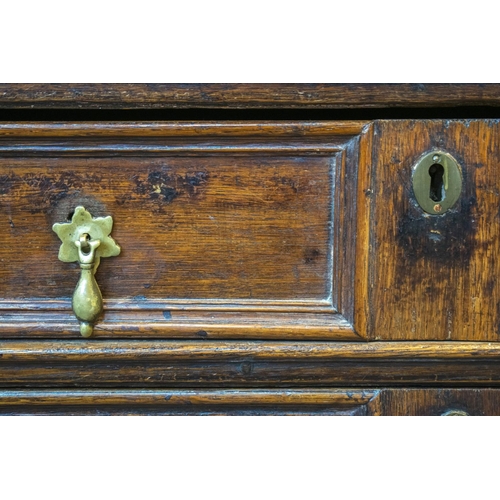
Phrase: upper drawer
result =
(253, 230)
(226, 229)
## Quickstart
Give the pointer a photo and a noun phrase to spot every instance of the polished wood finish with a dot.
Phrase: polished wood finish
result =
(203, 95)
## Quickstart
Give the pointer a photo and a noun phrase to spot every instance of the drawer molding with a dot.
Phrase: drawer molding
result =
(180, 323)
(188, 402)
(236, 364)
(245, 95)
(305, 401)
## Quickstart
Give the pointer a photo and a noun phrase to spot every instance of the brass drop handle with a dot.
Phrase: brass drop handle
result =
(85, 240)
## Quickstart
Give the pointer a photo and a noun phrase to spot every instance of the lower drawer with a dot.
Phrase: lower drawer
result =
(373, 402)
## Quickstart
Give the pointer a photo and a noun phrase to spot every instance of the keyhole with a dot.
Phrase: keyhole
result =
(436, 192)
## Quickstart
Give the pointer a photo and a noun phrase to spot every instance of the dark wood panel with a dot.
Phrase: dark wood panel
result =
(435, 276)
(301, 95)
(437, 402)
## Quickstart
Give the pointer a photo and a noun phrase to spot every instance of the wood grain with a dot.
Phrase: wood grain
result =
(200, 228)
(80, 351)
(315, 237)
(436, 402)
(179, 129)
(246, 364)
(236, 217)
(435, 277)
(182, 320)
(312, 95)
(339, 402)
(187, 402)
(334, 397)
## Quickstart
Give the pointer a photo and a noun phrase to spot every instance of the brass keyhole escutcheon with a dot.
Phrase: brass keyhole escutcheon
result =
(85, 240)
(437, 182)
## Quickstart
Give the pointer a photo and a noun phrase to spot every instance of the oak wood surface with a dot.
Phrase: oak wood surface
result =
(190, 129)
(419, 288)
(435, 277)
(281, 217)
(338, 402)
(305, 95)
(218, 364)
(227, 219)
(181, 320)
(171, 350)
(437, 402)
(187, 402)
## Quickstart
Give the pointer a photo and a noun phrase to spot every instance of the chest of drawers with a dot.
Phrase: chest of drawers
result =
(272, 261)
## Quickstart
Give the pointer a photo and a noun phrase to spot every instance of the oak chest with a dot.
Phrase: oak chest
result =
(239, 249)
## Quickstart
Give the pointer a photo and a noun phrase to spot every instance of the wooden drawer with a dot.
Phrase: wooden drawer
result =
(266, 267)
(227, 230)
(266, 230)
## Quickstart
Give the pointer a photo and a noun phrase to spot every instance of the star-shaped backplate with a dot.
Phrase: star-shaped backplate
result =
(82, 223)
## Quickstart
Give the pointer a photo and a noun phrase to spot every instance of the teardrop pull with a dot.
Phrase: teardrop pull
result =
(87, 297)
(85, 240)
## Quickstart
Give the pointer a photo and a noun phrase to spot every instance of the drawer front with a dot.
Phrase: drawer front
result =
(307, 230)
(226, 230)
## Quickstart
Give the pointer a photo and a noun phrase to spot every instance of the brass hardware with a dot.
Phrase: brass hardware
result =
(437, 182)
(455, 413)
(85, 240)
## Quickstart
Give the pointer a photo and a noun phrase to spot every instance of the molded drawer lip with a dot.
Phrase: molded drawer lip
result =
(304, 401)
(337, 402)
(318, 143)
(157, 364)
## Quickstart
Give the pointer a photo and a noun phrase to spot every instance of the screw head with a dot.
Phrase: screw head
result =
(438, 208)
(435, 158)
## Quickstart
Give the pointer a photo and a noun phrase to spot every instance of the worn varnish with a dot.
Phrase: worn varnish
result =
(338, 402)
(205, 363)
(188, 402)
(227, 229)
(267, 267)
(223, 95)
(242, 222)
(232, 228)
(437, 275)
